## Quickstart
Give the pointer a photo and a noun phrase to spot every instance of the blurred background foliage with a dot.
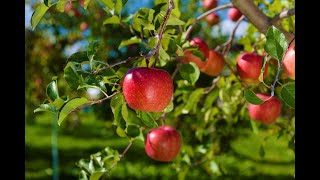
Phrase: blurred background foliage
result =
(232, 148)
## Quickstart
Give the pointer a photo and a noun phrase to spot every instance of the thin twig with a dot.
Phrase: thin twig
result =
(118, 63)
(187, 34)
(227, 44)
(283, 15)
(214, 82)
(279, 69)
(166, 18)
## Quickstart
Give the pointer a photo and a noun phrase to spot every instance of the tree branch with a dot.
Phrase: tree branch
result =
(166, 18)
(187, 34)
(118, 63)
(257, 17)
(227, 44)
(283, 15)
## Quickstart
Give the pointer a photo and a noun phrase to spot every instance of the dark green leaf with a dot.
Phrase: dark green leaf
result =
(46, 2)
(143, 17)
(276, 43)
(92, 49)
(116, 101)
(112, 20)
(52, 91)
(78, 57)
(157, 8)
(108, 3)
(86, 3)
(83, 175)
(71, 76)
(96, 175)
(69, 107)
(288, 94)
(132, 131)
(199, 54)
(252, 97)
(130, 115)
(38, 14)
(147, 119)
(45, 107)
(190, 72)
(133, 40)
(118, 7)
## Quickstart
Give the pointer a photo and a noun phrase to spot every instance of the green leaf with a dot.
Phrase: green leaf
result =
(112, 20)
(263, 69)
(52, 91)
(58, 103)
(169, 108)
(60, 5)
(193, 100)
(47, 2)
(288, 94)
(199, 54)
(262, 151)
(180, 50)
(276, 43)
(71, 76)
(118, 7)
(190, 72)
(211, 97)
(38, 14)
(163, 54)
(132, 131)
(142, 17)
(129, 115)
(92, 49)
(86, 3)
(252, 97)
(83, 175)
(174, 21)
(79, 57)
(133, 40)
(108, 3)
(45, 107)
(147, 119)
(121, 132)
(116, 101)
(69, 107)
(96, 175)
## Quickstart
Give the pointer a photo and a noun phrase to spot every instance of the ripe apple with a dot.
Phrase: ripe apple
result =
(209, 4)
(147, 89)
(234, 14)
(202, 47)
(84, 26)
(289, 62)
(68, 7)
(213, 19)
(214, 64)
(81, 3)
(268, 111)
(249, 66)
(163, 144)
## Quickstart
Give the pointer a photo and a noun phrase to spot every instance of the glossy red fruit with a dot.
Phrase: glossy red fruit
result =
(201, 44)
(268, 111)
(249, 66)
(213, 19)
(209, 4)
(289, 62)
(147, 89)
(163, 144)
(214, 64)
(234, 14)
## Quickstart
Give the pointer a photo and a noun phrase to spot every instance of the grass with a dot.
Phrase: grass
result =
(243, 161)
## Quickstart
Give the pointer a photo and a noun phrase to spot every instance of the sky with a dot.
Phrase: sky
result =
(226, 25)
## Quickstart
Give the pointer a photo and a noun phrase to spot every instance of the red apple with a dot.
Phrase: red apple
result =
(202, 47)
(147, 89)
(214, 64)
(213, 19)
(289, 62)
(81, 3)
(249, 66)
(268, 111)
(84, 26)
(163, 144)
(68, 7)
(209, 4)
(234, 14)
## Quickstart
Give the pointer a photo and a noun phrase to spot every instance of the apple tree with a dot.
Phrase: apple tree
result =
(170, 83)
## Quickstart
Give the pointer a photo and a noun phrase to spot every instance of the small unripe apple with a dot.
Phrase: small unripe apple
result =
(84, 26)
(209, 4)
(147, 89)
(268, 111)
(214, 64)
(234, 14)
(163, 144)
(289, 62)
(213, 19)
(249, 66)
